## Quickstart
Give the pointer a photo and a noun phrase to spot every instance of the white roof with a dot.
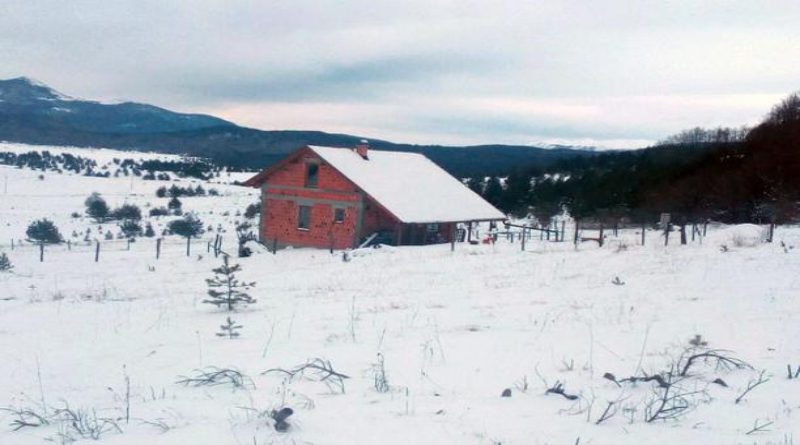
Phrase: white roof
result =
(410, 186)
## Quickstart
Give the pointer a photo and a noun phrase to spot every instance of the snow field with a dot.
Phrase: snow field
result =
(454, 328)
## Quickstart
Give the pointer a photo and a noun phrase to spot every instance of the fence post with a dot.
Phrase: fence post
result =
(666, 233)
(275, 246)
(188, 245)
(601, 236)
(694, 229)
(523, 239)
(12, 243)
(616, 228)
(158, 248)
(643, 230)
(41, 252)
(705, 227)
(129, 244)
(575, 240)
(97, 252)
(683, 234)
(69, 245)
(771, 232)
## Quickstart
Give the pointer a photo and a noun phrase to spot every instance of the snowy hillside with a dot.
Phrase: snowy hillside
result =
(426, 339)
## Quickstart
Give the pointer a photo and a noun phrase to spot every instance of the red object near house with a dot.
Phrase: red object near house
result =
(339, 198)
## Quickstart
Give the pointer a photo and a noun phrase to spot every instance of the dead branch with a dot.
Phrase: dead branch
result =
(607, 413)
(720, 356)
(319, 369)
(753, 384)
(558, 388)
(762, 428)
(26, 418)
(648, 378)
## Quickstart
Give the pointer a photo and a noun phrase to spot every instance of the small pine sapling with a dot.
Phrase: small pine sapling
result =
(230, 329)
(5, 263)
(225, 290)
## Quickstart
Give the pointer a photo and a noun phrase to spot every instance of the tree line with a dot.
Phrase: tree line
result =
(726, 174)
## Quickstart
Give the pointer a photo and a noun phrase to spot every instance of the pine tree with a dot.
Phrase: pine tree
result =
(225, 290)
(96, 207)
(229, 329)
(174, 203)
(148, 231)
(43, 231)
(5, 263)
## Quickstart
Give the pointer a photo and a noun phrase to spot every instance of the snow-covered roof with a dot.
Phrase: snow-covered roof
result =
(410, 186)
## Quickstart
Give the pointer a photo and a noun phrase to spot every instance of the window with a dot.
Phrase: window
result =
(338, 215)
(312, 175)
(304, 217)
(433, 228)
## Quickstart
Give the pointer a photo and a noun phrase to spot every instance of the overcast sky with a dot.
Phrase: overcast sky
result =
(614, 73)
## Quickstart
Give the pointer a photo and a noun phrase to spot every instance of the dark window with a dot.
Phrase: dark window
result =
(312, 175)
(433, 228)
(338, 215)
(304, 217)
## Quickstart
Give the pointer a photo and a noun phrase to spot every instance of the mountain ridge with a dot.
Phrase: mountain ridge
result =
(32, 112)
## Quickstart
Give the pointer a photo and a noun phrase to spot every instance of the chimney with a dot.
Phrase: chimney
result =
(362, 148)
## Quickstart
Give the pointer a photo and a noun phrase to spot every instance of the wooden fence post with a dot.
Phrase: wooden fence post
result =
(158, 248)
(694, 229)
(666, 233)
(616, 228)
(705, 228)
(12, 243)
(601, 236)
(644, 227)
(563, 227)
(522, 243)
(41, 252)
(188, 245)
(771, 232)
(575, 240)
(275, 246)
(69, 245)
(129, 244)
(97, 252)
(683, 234)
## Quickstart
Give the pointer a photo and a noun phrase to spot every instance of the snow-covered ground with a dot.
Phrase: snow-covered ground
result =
(453, 329)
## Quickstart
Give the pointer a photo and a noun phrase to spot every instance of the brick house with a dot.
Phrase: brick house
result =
(337, 198)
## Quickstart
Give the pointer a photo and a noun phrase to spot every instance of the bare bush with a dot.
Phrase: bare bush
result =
(213, 376)
(317, 369)
(83, 423)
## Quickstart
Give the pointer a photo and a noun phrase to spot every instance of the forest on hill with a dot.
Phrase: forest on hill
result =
(723, 174)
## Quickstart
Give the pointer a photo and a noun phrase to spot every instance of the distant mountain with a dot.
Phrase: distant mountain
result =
(31, 112)
(33, 101)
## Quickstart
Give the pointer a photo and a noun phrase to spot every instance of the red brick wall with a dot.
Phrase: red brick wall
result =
(294, 174)
(281, 206)
(376, 219)
(280, 222)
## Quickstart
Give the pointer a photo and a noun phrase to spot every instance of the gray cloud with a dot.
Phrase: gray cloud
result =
(421, 71)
